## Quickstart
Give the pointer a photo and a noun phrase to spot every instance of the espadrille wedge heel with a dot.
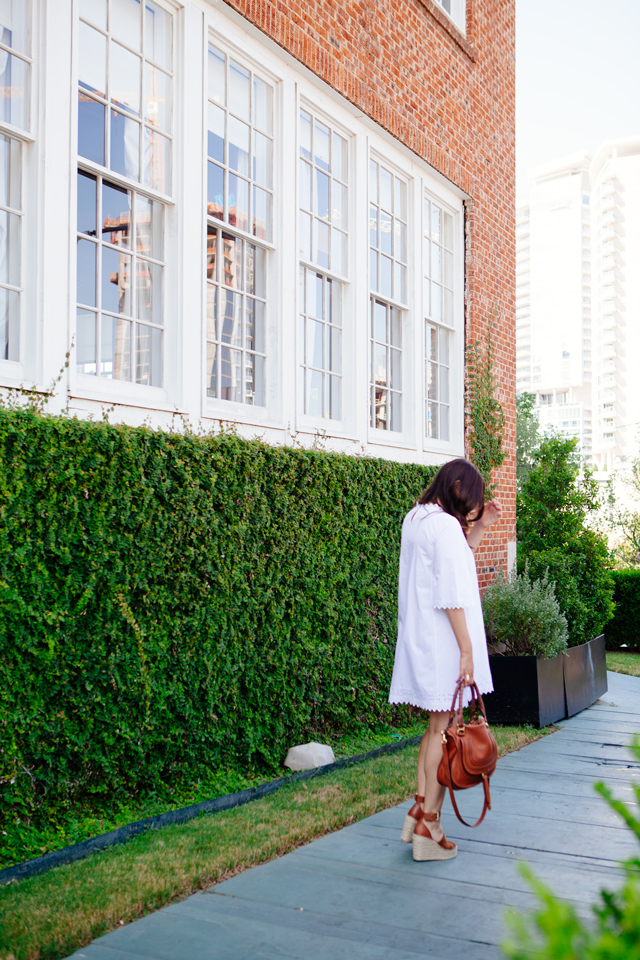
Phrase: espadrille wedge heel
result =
(425, 847)
(411, 819)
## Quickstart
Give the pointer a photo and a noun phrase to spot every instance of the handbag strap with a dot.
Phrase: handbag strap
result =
(487, 794)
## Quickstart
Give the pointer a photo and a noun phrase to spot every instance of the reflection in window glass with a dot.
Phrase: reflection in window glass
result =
(125, 111)
(386, 366)
(10, 247)
(323, 172)
(15, 65)
(320, 344)
(438, 304)
(120, 275)
(236, 317)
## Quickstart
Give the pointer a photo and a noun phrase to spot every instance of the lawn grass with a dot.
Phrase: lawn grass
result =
(628, 663)
(51, 915)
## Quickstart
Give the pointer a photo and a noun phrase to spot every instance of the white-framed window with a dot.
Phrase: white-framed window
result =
(239, 228)
(125, 80)
(323, 171)
(438, 299)
(15, 84)
(456, 10)
(388, 298)
(120, 278)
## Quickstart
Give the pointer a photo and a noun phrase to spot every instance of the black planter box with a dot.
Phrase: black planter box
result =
(537, 691)
(585, 675)
(527, 690)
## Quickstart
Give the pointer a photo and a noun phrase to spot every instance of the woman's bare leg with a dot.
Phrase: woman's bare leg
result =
(433, 792)
(422, 780)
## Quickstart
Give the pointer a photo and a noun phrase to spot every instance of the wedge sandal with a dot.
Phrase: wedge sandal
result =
(425, 847)
(411, 819)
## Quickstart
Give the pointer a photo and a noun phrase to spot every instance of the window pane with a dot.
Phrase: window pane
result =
(254, 385)
(339, 251)
(92, 60)
(448, 231)
(321, 243)
(231, 316)
(380, 364)
(116, 281)
(95, 11)
(90, 129)
(395, 420)
(305, 236)
(149, 216)
(334, 302)
(435, 223)
(399, 284)
(444, 346)
(400, 241)
(261, 214)
(373, 270)
(380, 408)
(157, 161)
(125, 134)
(157, 34)
(432, 419)
(232, 261)
(9, 172)
(124, 77)
(215, 191)
(86, 277)
(400, 199)
(261, 159)
(239, 140)
(230, 375)
(217, 85)
(336, 398)
(436, 302)
(321, 145)
(215, 134)
(9, 324)
(315, 335)
(322, 195)
(444, 422)
(339, 205)
(212, 312)
(149, 292)
(125, 21)
(157, 97)
(447, 315)
(87, 204)
(116, 215)
(435, 262)
(238, 202)
(395, 327)
(373, 181)
(385, 232)
(380, 322)
(339, 164)
(255, 327)
(255, 280)
(335, 350)
(448, 269)
(305, 185)
(262, 109)
(396, 370)
(239, 90)
(148, 355)
(432, 381)
(115, 348)
(86, 342)
(386, 189)
(444, 385)
(385, 276)
(315, 295)
(212, 371)
(315, 400)
(305, 135)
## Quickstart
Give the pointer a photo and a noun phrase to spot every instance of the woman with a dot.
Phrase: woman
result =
(441, 635)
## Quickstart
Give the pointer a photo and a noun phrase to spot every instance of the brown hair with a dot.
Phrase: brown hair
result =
(460, 500)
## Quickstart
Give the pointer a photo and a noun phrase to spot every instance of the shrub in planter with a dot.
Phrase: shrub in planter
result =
(523, 617)
(555, 503)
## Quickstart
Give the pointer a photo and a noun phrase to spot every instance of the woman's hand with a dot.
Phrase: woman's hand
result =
(466, 668)
(492, 513)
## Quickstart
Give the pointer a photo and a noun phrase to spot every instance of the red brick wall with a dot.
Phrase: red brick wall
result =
(451, 100)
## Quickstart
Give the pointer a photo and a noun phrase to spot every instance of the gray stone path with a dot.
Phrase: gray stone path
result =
(358, 895)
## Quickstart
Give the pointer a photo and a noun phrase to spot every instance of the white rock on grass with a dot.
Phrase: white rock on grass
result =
(308, 755)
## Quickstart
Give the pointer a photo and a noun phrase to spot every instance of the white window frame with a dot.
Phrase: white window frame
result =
(84, 386)
(13, 372)
(456, 11)
(222, 35)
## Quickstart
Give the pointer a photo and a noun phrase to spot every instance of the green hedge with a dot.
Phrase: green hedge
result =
(625, 625)
(171, 603)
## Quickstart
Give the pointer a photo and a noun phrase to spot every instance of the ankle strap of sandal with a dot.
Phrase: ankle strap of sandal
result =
(418, 798)
(431, 816)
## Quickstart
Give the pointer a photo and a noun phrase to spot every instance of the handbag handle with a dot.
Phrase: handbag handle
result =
(476, 702)
(487, 796)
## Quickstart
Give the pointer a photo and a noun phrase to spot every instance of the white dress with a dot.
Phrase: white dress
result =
(437, 572)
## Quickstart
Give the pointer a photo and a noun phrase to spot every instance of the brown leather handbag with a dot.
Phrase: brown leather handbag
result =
(469, 750)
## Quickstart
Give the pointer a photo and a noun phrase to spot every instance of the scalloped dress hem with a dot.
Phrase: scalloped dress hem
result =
(438, 703)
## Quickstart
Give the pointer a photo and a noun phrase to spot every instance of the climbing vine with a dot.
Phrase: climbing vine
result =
(485, 419)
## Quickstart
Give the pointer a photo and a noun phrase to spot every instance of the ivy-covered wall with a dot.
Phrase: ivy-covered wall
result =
(169, 603)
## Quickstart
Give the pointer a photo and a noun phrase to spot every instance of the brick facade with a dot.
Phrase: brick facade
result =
(451, 100)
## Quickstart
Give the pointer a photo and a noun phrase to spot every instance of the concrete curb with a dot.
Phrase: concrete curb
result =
(78, 851)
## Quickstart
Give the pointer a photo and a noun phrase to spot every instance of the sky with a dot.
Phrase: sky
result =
(577, 78)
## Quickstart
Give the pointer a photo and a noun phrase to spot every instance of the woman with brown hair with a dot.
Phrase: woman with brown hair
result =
(441, 636)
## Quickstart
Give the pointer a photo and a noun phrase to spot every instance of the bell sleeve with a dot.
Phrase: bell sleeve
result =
(454, 585)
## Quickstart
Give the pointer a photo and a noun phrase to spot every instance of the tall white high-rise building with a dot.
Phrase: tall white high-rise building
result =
(615, 180)
(553, 297)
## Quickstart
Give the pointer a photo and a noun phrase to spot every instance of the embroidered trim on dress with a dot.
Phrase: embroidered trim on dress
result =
(439, 702)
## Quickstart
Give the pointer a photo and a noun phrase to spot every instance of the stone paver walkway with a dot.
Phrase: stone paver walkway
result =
(358, 895)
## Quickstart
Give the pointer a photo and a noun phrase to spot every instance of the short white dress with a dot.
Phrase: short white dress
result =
(437, 572)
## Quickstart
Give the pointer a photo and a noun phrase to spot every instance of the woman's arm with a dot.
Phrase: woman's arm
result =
(491, 515)
(458, 623)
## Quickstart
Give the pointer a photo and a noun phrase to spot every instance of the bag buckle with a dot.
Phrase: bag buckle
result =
(461, 730)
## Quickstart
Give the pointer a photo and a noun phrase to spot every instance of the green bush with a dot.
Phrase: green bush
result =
(556, 932)
(170, 603)
(524, 615)
(625, 625)
(555, 503)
